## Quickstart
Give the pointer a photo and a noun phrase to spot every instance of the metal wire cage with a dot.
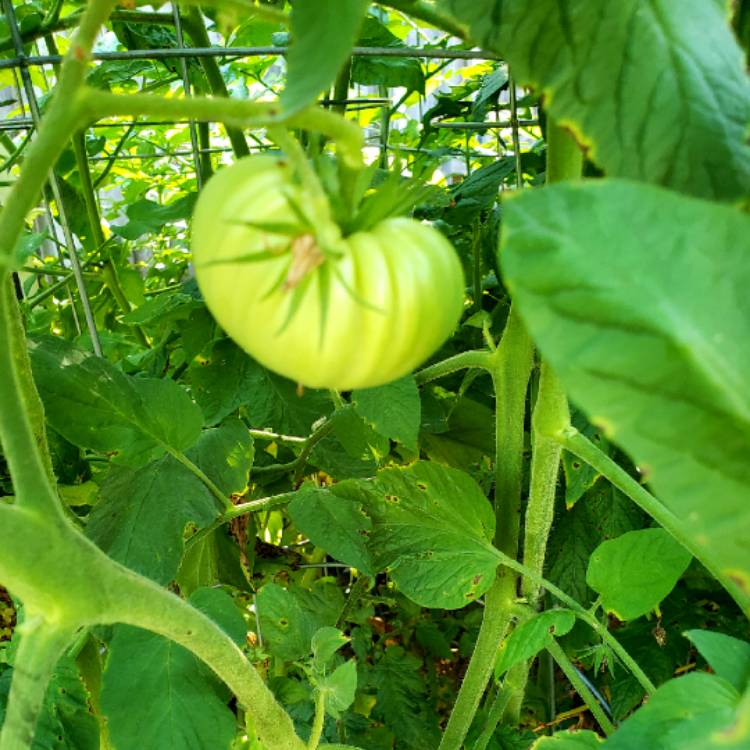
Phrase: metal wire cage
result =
(30, 72)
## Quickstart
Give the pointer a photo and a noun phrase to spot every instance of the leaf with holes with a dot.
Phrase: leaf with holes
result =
(432, 530)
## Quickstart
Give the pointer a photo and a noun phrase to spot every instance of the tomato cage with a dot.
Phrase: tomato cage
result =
(402, 88)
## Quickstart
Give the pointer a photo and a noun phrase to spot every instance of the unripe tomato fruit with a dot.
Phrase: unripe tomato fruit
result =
(365, 315)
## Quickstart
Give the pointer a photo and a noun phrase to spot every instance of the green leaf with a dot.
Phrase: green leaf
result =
(533, 636)
(229, 378)
(391, 72)
(340, 527)
(637, 298)
(675, 116)
(65, 722)
(325, 643)
(728, 657)
(147, 217)
(402, 702)
(469, 438)
(220, 607)
(354, 449)
(226, 454)
(340, 688)
(432, 530)
(142, 514)
(603, 513)
(394, 410)
(687, 713)
(323, 34)
(569, 740)
(94, 405)
(289, 618)
(156, 694)
(162, 309)
(634, 573)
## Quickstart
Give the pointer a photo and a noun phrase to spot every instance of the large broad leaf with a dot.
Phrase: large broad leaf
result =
(394, 410)
(323, 34)
(432, 529)
(142, 514)
(289, 618)
(228, 378)
(94, 405)
(728, 657)
(65, 722)
(156, 694)
(638, 297)
(695, 712)
(340, 527)
(385, 71)
(634, 573)
(655, 89)
(532, 636)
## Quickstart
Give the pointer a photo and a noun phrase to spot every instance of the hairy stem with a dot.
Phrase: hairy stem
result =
(22, 430)
(551, 408)
(465, 360)
(510, 368)
(40, 647)
(581, 687)
(318, 722)
(96, 105)
(581, 446)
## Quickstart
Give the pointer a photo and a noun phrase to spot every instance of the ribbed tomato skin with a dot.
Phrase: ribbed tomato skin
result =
(394, 294)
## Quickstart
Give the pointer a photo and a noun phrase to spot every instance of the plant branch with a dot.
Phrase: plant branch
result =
(41, 645)
(582, 614)
(22, 428)
(581, 446)
(429, 14)
(510, 367)
(479, 359)
(581, 687)
(318, 722)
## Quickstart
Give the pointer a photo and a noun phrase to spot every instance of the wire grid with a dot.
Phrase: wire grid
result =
(27, 97)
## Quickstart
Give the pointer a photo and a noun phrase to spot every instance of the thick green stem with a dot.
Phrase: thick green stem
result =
(581, 687)
(22, 430)
(513, 361)
(551, 408)
(581, 446)
(147, 606)
(465, 360)
(318, 722)
(584, 615)
(507, 691)
(239, 113)
(510, 368)
(564, 162)
(498, 608)
(40, 648)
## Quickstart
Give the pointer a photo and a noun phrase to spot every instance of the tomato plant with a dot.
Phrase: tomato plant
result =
(510, 513)
(325, 310)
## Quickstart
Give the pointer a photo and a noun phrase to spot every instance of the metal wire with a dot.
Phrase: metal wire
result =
(186, 87)
(54, 183)
(243, 52)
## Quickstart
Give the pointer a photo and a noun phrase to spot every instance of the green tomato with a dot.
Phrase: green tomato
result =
(324, 310)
